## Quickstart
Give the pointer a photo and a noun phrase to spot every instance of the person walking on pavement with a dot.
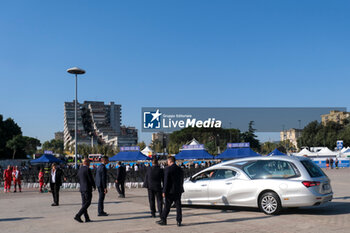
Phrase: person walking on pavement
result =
(56, 176)
(336, 163)
(331, 161)
(41, 180)
(101, 183)
(153, 182)
(7, 179)
(17, 176)
(87, 183)
(172, 191)
(120, 180)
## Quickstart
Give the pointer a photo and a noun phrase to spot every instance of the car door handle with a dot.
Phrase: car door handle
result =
(203, 185)
(228, 183)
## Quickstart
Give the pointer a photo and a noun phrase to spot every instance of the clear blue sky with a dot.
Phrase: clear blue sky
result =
(170, 54)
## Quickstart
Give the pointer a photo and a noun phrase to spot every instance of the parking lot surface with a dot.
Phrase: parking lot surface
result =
(30, 212)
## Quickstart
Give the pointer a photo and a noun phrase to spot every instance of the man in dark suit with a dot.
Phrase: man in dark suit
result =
(101, 183)
(172, 191)
(56, 176)
(120, 180)
(153, 182)
(86, 181)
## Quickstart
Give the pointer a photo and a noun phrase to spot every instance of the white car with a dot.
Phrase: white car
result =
(269, 183)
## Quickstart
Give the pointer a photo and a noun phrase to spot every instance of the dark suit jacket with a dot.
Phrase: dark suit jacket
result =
(101, 177)
(121, 174)
(154, 178)
(85, 179)
(58, 178)
(173, 180)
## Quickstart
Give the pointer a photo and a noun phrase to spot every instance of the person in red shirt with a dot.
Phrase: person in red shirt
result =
(41, 180)
(16, 176)
(7, 179)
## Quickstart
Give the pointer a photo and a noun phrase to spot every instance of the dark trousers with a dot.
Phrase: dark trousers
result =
(101, 199)
(55, 189)
(120, 188)
(169, 200)
(151, 197)
(86, 198)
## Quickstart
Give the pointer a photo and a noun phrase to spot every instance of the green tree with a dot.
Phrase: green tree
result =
(157, 146)
(317, 134)
(142, 145)
(16, 144)
(268, 147)
(210, 137)
(54, 145)
(249, 136)
(8, 129)
(31, 145)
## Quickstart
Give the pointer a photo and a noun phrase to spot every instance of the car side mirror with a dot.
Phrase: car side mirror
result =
(192, 179)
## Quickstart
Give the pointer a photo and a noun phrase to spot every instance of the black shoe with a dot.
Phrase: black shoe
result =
(78, 219)
(54, 204)
(88, 220)
(161, 222)
(179, 224)
(153, 215)
(14, 191)
(102, 214)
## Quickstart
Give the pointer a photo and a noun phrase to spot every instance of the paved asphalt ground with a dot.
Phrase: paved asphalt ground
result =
(31, 212)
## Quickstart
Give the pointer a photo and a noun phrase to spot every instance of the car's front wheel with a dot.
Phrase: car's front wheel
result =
(270, 203)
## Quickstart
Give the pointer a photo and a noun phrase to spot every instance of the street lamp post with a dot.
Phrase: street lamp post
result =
(76, 71)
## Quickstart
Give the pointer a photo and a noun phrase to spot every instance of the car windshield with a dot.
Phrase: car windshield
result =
(270, 169)
(312, 169)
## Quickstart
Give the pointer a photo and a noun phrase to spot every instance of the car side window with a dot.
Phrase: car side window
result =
(204, 176)
(271, 169)
(223, 174)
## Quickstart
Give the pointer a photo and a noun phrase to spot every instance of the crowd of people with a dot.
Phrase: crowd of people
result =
(164, 184)
(330, 163)
(12, 174)
(136, 172)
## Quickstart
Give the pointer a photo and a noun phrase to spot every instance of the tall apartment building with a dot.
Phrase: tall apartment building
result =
(292, 135)
(97, 123)
(335, 116)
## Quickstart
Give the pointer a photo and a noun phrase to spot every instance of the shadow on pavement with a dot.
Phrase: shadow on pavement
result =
(332, 208)
(341, 198)
(17, 219)
(95, 203)
(122, 219)
(227, 220)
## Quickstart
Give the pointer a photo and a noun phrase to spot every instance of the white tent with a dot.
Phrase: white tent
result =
(305, 152)
(194, 142)
(344, 149)
(326, 152)
(147, 151)
(345, 153)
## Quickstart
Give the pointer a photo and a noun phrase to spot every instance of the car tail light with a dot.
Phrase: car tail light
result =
(309, 184)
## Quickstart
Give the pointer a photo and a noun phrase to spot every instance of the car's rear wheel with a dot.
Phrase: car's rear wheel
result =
(270, 203)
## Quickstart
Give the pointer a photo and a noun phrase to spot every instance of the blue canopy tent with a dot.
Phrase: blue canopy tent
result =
(276, 152)
(194, 154)
(236, 153)
(129, 156)
(46, 158)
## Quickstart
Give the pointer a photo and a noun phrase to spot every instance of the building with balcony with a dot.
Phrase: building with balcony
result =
(97, 123)
(335, 116)
(292, 135)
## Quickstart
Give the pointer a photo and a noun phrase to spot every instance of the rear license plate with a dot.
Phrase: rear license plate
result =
(326, 187)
